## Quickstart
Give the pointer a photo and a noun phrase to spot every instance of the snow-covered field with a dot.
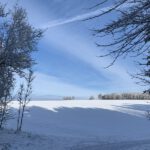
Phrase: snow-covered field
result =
(82, 125)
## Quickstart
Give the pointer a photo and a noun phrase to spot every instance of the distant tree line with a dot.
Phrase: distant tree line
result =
(125, 96)
(68, 98)
(115, 96)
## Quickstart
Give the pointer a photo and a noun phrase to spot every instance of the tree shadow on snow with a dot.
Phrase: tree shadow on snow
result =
(138, 107)
(84, 122)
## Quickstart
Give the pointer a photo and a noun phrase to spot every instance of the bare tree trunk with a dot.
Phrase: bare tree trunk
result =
(18, 119)
(4, 113)
(2, 116)
(24, 99)
(21, 119)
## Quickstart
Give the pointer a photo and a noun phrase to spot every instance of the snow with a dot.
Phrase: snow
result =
(82, 125)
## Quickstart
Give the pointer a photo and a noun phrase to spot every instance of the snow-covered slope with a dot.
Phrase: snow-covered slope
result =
(87, 118)
(89, 124)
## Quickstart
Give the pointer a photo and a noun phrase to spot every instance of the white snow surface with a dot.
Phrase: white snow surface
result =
(81, 125)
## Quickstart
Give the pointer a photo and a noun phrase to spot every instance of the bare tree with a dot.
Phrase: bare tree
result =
(91, 98)
(24, 98)
(6, 85)
(144, 75)
(20, 100)
(18, 39)
(128, 34)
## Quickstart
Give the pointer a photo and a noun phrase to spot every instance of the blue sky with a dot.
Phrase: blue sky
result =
(67, 62)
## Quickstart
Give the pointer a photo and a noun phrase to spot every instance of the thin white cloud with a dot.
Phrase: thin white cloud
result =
(80, 17)
(79, 46)
(51, 85)
(85, 50)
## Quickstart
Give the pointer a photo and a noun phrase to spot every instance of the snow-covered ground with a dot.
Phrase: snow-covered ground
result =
(83, 125)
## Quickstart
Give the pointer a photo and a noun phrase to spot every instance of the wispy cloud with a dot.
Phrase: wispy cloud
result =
(51, 85)
(86, 51)
(84, 16)
(76, 18)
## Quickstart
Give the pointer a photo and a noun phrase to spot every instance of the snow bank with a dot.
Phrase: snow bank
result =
(81, 125)
(111, 119)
